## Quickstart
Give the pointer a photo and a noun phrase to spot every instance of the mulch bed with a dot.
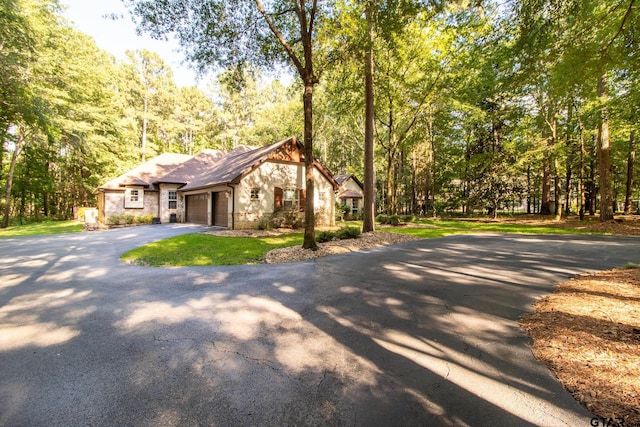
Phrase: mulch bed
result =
(588, 333)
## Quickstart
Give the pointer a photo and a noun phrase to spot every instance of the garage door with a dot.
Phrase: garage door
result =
(197, 209)
(220, 210)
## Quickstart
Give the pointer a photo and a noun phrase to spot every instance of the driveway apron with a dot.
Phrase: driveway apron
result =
(422, 333)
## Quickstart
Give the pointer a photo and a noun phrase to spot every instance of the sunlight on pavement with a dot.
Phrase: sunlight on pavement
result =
(449, 364)
(37, 335)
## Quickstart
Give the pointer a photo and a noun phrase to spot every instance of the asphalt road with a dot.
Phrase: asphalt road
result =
(418, 334)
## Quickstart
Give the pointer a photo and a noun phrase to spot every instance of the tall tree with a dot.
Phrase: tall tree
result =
(631, 159)
(228, 32)
(583, 43)
(152, 94)
(195, 117)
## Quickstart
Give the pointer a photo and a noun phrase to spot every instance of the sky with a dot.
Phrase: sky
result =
(118, 36)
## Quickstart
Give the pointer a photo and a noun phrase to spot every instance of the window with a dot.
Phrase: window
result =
(290, 199)
(173, 199)
(134, 198)
(354, 205)
(255, 194)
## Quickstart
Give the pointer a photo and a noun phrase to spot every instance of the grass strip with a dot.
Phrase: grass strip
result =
(476, 226)
(41, 228)
(200, 249)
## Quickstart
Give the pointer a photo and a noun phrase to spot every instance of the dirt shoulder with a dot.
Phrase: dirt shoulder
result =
(588, 333)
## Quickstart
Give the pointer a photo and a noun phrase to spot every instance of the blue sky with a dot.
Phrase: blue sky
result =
(117, 36)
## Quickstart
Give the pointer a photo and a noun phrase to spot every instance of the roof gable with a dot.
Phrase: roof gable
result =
(212, 167)
(343, 178)
(232, 167)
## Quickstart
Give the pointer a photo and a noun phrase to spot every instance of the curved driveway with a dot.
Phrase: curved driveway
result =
(423, 333)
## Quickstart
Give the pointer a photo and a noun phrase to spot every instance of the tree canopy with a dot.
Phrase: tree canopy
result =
(473, 107)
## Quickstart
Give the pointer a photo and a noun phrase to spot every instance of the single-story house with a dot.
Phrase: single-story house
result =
(234, 190)
(350, 192)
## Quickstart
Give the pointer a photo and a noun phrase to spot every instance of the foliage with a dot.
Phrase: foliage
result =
(478, 109)
(342, 233)
(348, 233)
(406, 218)
(342, 211)
(287, 218)
(394, 220)
(382, 218)
(128, 219)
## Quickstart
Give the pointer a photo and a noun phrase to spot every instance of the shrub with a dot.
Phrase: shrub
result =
(407, 218)
(115, 219)
(290, 218)
(394, 220)
(145, 219)
(382, 219)
(340, 234)
(348, 233)
(121, 219)
(342, 211)
(325, 236)
(265, 223)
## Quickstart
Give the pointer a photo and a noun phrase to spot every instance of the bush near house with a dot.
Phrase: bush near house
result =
(125, 219)
(289, 218)
(394, 219)
(343, 211)
(341, 234)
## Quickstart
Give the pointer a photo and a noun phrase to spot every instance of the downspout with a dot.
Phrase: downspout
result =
(233, 206)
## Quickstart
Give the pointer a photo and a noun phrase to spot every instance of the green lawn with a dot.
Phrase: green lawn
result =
(204, 249)
(201, 249)
(458, 227)
(430, 229)
(39, 228)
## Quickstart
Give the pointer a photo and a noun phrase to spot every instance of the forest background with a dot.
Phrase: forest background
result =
(480, 106)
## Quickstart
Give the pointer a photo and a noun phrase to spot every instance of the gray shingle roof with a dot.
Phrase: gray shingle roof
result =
(147, 174)
(207, 169)
(341, 179)
(233, 166)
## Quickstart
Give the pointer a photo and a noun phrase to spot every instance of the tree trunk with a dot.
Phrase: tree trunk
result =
(567, 189)
(529, 195)
(606, 199)
(369, 170)
(557, 189)
(143, 141)
(414, 194)
(545, 207)
(390, 183)
(593, 190)
(631, 159)
(309, 215)
(433, 170)
(581, 185)
(9, 183)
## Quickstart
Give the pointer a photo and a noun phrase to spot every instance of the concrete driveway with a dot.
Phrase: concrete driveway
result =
(423, 333)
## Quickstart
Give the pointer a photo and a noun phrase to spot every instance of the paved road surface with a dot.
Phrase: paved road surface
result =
(423, 333)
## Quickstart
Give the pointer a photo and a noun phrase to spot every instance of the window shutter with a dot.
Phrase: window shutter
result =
(302, 197)
(278, 197)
